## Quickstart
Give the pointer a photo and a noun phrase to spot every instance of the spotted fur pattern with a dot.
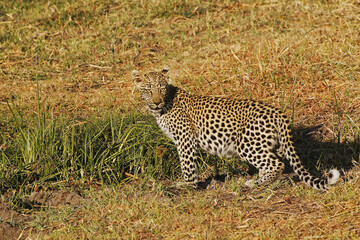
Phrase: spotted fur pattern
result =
(257, 133)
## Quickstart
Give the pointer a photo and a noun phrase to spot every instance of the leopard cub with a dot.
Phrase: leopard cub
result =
(254, 131)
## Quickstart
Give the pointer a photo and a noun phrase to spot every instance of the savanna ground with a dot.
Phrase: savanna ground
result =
(81, 157)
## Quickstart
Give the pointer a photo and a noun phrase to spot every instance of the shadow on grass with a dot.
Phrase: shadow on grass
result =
(317, 154)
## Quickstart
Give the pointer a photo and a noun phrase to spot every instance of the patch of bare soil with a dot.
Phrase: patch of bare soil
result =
(14, 224)
(55, 198)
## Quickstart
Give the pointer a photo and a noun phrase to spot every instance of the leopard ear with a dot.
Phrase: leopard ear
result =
(166, 69)
(136, 76)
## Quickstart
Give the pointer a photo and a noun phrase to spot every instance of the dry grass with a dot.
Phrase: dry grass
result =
(226, 211)
(73, 59)
(82, 53)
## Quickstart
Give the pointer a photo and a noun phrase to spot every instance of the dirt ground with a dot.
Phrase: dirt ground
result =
(15, 225)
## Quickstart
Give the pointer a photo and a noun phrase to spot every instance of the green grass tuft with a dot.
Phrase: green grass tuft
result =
(95, 149)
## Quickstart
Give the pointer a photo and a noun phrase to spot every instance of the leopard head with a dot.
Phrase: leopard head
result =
(153, 88)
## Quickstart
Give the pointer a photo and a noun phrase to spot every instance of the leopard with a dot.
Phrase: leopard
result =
(251, 130)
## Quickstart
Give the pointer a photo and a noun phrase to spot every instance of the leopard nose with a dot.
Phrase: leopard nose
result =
(157, 101)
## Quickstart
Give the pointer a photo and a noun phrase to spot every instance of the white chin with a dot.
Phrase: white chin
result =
(157, 110)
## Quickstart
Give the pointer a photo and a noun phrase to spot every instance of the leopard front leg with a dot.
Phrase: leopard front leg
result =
(188, 155)
(182, 134)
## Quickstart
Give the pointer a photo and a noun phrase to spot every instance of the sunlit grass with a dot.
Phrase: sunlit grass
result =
(130, 210)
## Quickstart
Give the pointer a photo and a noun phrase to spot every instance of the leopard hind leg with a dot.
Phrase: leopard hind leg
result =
(270, 169)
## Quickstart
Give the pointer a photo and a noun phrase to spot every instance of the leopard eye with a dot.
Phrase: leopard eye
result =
(163, 90)
(146, 90)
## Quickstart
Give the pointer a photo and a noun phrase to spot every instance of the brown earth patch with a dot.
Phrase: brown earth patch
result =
(15, 225)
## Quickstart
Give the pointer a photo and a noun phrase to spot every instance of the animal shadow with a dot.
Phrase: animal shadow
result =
(318, 151)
